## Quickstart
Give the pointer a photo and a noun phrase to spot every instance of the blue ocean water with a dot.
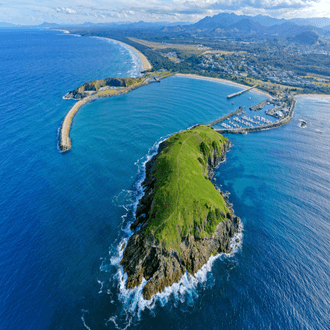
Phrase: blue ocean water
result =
(64, 216)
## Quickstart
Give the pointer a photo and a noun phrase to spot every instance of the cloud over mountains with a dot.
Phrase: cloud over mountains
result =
(21, 11)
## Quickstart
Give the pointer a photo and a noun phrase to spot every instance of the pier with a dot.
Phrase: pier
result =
(241, 92)
(259, 106)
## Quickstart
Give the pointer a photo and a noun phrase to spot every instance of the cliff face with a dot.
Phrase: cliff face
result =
(160, 264)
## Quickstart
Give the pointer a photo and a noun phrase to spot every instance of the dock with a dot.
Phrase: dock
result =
(241, 92)
(259, 106)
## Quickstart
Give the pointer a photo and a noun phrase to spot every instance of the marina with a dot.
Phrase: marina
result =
(240, 122)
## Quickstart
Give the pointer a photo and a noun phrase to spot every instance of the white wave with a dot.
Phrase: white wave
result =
(137, 66)
(83, 319)
(64, 31)
(101, 283)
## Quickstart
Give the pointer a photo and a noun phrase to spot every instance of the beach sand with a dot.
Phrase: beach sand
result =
(224, 81)
(312, 95)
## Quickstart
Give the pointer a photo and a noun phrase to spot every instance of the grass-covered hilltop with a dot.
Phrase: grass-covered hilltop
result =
(184, 219)
(115, 86)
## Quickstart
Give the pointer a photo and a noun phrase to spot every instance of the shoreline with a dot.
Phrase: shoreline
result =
(145, 62)
(313, 95)
(220, 80)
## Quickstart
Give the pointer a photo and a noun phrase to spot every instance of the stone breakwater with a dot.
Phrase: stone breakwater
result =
(64, 139)
(160, 266)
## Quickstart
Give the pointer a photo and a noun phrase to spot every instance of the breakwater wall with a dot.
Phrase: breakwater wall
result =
(64, 139)
(217, 121)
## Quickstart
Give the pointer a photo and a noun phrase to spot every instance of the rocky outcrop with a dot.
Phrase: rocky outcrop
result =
(150, 259)
(87, 89)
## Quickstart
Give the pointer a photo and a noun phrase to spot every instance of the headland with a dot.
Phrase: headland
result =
(99, 89)
(183, 218)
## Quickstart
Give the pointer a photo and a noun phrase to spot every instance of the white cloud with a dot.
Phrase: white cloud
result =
(65, 10)
(154, 10)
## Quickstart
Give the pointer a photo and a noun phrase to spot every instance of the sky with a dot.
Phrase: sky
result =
(31, 12)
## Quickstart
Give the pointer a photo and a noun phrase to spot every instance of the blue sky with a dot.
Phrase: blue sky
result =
(79, 11)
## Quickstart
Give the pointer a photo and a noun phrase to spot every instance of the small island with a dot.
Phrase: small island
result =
(182, 219)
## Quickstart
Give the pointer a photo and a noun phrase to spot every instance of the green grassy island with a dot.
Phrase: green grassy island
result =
(185, 201)
(182, 218)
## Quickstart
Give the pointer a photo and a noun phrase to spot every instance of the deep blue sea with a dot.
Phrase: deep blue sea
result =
(63, 217)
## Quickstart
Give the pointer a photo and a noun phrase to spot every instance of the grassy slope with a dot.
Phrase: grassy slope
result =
(185, 201)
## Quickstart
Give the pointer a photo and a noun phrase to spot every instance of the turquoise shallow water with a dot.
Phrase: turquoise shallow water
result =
(63, 216)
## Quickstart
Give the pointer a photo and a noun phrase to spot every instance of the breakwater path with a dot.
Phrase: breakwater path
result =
(64, 139)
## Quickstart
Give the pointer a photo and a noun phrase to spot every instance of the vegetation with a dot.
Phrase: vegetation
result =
(185, 200)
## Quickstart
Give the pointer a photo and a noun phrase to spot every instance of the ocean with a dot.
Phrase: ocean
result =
(64, 216)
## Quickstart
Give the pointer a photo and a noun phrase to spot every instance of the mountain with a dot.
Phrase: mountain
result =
(319, 22)
(310, 38)
(288, 29)
(267, 20)
(122, 25)
(7, 25)
(261, 24)
(49, 25)
(247, 26)
(307, 38)
(217, 21)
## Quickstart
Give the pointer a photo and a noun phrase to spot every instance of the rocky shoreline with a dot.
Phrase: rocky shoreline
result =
(160, 266)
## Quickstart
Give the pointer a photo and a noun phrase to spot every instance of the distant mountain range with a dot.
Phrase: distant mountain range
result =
(7, 25)
(215, 25)
(126, 25)
(260, 24)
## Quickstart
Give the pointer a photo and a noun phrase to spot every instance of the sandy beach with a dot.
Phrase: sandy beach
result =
(224, 81)
(313, 95)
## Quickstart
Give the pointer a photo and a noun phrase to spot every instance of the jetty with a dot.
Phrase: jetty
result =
(219, 120)
(64, 139)
(259, 106)
(102, 92)
(241, 92)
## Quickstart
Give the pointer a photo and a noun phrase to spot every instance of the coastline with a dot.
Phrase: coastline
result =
(224, 81)
(313, 95)
(145, 62)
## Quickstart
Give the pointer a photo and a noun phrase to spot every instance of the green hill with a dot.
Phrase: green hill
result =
(185, 201)
(183, 218)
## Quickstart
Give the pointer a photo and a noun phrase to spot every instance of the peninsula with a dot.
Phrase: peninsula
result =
(101, 88)
(182, 219)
